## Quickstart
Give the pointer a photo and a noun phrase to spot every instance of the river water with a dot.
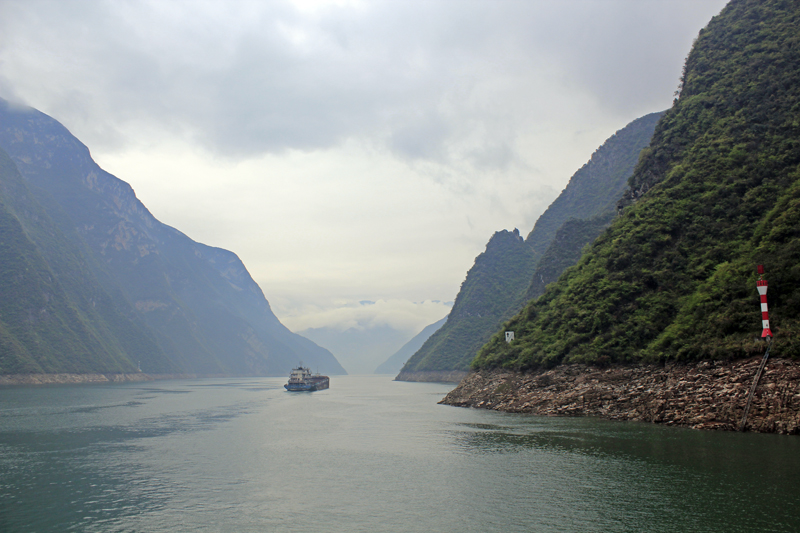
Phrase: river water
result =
(369, 454)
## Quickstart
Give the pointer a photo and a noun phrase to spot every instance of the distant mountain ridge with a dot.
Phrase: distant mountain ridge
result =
(597, 186)
(360, 348)
(512, 271)
(197, 304)
(396, 361)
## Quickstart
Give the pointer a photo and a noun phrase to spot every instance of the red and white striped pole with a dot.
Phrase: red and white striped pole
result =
(761, 285)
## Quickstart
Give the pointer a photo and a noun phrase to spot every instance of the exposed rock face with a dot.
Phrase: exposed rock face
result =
(704, 395)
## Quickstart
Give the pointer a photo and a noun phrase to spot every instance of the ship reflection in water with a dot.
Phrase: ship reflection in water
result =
(301, 379)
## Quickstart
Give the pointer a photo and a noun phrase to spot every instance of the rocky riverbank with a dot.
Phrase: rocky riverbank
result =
(52, 379)
(704, 395)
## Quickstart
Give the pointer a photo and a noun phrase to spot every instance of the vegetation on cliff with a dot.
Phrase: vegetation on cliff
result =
(717, 192)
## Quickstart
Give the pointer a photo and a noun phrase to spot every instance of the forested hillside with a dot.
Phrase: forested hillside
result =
(513, 270)
(715, 194)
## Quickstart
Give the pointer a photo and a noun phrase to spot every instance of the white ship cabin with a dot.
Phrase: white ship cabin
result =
(299, 374)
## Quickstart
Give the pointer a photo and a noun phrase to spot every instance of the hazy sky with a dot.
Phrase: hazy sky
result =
(356, 155)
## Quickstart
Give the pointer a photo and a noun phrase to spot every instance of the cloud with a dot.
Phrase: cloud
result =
(429, 80)
(397, 314)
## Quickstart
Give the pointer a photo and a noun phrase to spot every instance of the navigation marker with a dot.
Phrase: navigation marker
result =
(761, 285)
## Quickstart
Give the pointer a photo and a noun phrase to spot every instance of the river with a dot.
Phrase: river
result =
(368, 454)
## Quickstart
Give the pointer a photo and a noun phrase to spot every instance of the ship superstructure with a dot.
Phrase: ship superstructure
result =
(301, 379)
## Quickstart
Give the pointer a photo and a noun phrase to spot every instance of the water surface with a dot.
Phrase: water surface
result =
(368, 454)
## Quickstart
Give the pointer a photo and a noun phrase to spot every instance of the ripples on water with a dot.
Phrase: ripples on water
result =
(368, 454)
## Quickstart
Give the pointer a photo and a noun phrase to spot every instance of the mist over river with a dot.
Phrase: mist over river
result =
(368, 454)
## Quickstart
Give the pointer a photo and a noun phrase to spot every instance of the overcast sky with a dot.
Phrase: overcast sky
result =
(356, 155)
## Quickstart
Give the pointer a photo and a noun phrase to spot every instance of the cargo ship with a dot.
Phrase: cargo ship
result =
(301, 379)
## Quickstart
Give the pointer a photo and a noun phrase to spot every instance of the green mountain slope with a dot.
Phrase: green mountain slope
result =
(512, 271)
(199, 304)
(717, 192)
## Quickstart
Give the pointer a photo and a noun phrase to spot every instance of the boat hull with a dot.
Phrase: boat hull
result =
(300, 387)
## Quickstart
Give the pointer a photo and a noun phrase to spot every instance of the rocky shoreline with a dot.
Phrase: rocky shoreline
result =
(53, 379)
(704, 395)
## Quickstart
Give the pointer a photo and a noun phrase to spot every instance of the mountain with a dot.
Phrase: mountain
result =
(359, 349)
(513, 270)
(197, 306)
(396, 361)
(716, 193)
